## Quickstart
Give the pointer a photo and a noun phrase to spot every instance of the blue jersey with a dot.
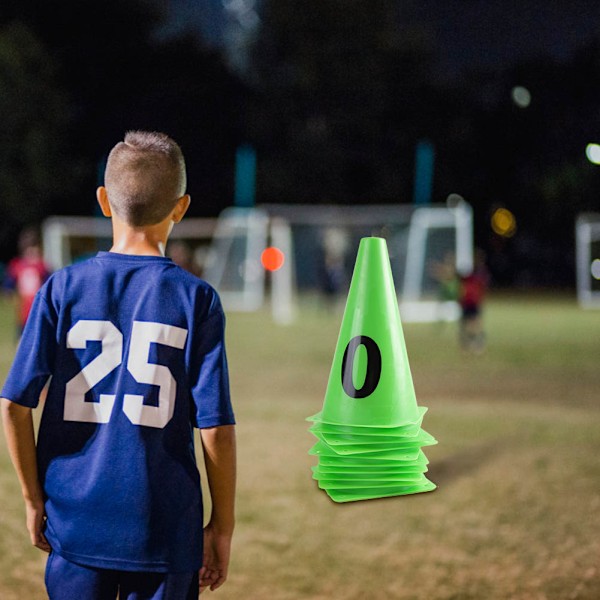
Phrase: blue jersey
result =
(134, 349)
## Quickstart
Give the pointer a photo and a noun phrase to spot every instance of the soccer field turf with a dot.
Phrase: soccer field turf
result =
(517, 509)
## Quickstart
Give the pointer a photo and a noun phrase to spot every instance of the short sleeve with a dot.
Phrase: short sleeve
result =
(209, 374)
(34, 360)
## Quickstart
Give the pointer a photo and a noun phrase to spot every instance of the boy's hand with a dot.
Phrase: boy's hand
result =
(20, 438)
(218, 444)
(217, 550)
(36, 523)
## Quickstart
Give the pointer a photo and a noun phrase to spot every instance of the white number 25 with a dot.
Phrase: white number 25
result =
(111, 356)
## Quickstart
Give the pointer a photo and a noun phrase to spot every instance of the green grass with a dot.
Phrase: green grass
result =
(517, 509)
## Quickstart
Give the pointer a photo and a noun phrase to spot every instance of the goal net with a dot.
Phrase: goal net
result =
(587, 234)
(320, 245)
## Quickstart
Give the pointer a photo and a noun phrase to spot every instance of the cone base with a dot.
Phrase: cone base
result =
(374, 493)
(370, 461)
(360, 472)
(351, 443)
(322, 449)
(362, 481)
(350, 427)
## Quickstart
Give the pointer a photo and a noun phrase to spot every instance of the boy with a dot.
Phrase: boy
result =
(134, 349)
(473, 287)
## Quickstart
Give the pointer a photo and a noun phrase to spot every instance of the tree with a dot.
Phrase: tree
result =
(338, 88)
(119, 74)
(31, 152)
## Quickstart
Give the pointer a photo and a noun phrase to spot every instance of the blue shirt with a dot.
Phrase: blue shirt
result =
(134, 349)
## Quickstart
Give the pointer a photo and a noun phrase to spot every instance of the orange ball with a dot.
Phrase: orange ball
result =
(272, 258)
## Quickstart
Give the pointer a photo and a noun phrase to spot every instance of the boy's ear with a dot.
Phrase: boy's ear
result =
(181, 208)
(102, 197)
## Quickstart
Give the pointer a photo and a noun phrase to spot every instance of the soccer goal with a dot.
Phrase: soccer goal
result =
(226, 251)
(320, 244)
(587, 235)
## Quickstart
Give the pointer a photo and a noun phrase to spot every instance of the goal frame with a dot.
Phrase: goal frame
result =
(253, 229)
(273, 223)
(587, 232)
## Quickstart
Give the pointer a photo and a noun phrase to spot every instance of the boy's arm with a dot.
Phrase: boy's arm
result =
(220, 459)
(20, 438)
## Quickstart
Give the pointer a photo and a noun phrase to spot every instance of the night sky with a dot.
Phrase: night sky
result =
(468, 34)
(488, 33)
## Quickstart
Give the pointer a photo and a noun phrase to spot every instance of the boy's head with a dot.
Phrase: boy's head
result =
(145, 177)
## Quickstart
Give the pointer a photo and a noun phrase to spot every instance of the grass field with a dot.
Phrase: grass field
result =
(517, 511)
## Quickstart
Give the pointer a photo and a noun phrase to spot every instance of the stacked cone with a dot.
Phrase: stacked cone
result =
(369, 431)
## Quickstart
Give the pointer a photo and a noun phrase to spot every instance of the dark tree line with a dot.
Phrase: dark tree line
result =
(74, 76)
(349, 93)
(337, 97)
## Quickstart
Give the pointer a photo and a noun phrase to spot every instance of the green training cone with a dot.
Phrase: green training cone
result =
(370, 383)
(369, 436)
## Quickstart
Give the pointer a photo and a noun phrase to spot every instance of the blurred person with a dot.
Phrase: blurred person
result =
(25, 274)
(134, 349)
(473, 288)
(333, 274)
(446, 275)
(181, 254)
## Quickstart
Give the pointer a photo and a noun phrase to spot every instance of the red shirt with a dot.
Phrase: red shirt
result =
(473, 289)
(27, 276)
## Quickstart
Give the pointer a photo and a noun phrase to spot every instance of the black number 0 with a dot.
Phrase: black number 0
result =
(373, 367)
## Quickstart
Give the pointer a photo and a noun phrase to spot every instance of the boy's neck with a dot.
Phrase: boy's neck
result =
(144, 241)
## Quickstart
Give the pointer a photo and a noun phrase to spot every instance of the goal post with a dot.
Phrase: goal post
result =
(234, 264)
(587, 236)
(433, 234)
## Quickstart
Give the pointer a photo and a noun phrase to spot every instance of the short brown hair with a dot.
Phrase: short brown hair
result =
(144, 177)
